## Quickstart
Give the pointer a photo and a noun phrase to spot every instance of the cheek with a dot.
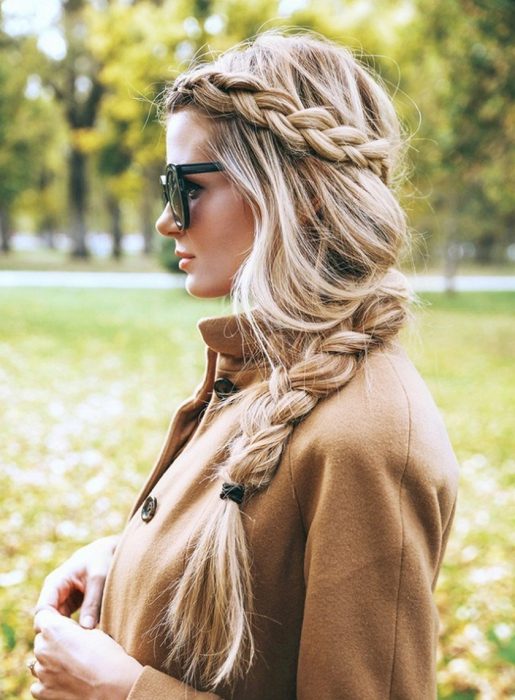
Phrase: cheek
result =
(229, 222)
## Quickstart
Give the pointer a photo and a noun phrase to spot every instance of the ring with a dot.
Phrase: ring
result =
(30, 666)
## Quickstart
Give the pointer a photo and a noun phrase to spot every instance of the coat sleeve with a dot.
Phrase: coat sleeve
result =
(155, 685)
(377, 506)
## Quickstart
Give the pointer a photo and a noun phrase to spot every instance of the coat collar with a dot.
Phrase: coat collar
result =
(228, 335)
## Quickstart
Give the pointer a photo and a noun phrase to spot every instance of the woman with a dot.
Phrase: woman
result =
(288, 540)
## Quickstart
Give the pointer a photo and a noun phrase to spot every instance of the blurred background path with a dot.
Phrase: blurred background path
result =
(162, 280)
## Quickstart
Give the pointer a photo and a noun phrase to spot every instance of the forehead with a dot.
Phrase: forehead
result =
(187, 137)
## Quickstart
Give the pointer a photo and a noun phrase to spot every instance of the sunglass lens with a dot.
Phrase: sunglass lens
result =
(174, 197)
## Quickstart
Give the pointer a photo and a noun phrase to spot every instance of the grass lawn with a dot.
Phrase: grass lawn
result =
(58, 260)
(90, 378)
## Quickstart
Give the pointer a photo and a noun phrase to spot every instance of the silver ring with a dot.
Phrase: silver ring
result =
(31, 665)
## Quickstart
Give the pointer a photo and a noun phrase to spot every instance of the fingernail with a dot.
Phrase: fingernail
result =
(88, 621)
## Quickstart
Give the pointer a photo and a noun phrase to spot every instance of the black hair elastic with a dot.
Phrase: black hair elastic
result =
(233, 491)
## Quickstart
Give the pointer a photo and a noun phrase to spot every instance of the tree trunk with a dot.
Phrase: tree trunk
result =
(452, 248)
(147, 224)
(77, 195)
(113, 206)
(147, 208)
(48, 235)
(5, 230)
(451, 265)
(452, 253)
(485, 246)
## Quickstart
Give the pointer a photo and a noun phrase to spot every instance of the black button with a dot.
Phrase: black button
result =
(224, 387)
(148, 509)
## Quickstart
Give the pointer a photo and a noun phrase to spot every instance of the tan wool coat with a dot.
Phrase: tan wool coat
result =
(346, 542)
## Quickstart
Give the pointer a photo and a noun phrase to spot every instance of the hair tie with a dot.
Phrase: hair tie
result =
(233, 491)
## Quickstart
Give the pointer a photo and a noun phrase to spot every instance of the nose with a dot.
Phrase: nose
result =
(165, 225)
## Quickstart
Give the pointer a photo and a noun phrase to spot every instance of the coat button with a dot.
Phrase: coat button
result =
(148, 509)
(224, 387)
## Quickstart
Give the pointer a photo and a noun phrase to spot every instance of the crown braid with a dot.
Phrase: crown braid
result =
(304, 131)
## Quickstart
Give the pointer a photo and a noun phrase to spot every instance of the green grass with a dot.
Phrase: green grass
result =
(90, 378)
(56, 260)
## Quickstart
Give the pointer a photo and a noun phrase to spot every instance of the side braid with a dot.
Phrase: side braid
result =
(305, 131)
(270, 413)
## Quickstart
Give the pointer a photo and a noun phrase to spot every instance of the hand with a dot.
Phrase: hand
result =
(73, 663)
(79, 581)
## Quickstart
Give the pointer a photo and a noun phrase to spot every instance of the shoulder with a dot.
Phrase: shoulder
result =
(379, 430)
(368, 411)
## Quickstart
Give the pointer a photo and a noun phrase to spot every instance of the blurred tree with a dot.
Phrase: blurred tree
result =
(15, 150)
(27, 132)
(74, 80)
(458, 61)
(114, 158)
(133, 43)
(447, 66)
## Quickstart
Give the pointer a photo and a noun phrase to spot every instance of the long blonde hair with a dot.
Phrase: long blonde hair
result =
(312, 142)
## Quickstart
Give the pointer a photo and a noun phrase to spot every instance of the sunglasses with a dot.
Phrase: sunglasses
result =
(177, 190)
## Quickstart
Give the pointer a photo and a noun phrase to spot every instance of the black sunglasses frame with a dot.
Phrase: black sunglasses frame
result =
(173, 182)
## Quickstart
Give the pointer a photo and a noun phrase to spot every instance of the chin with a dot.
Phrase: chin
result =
(205, 290)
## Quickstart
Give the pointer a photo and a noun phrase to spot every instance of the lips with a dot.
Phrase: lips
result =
(185, 258)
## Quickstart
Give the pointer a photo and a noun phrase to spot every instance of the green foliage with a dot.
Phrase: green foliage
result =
(90, 379)
(463, 346)
(447, 63)
(22, 121)
(9, 636)
(167, 256)
(462, 150)
(30, 136)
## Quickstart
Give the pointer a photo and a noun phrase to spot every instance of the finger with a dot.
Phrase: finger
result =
(32, 666)
(60, 592)
(50, 593)
(46, 618)
(38, 671)
(39, 643)
(36, 690)
(90, 611)
(66, 608)
(38, 608)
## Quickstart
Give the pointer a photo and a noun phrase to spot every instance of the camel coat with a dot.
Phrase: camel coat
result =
(346, 541)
